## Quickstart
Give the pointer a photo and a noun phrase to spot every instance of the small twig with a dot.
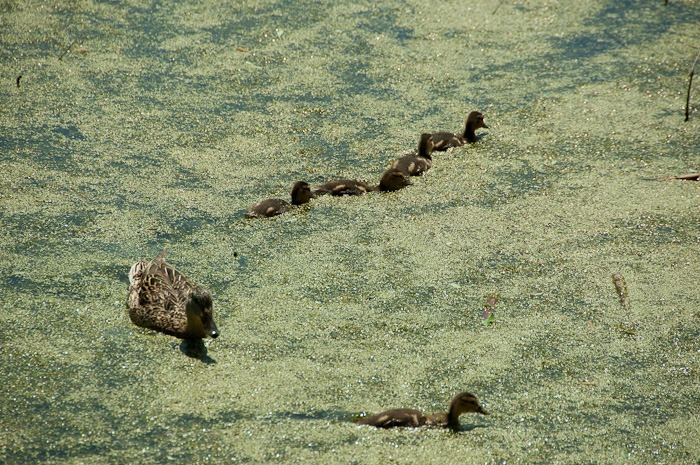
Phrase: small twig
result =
(497, 7)
(67, 50)
(19, 78)
(690, 83)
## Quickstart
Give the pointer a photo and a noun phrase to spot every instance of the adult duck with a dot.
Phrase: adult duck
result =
(162, 299)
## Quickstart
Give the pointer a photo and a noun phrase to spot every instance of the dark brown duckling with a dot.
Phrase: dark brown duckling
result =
(393, 180)
(344, 187)
(301, 194)
(446, 140)
(461, 403)
(415, 165)
(162, 299)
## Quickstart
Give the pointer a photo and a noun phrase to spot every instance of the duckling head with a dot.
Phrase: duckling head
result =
(476, 120)
(200, 313)
(425, 145)
(393, 180)
(301, 193)
(465, 402)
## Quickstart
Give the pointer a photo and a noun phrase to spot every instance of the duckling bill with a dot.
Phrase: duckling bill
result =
(416, 165)
(461, 403)
(301, 194)
(162, 299)
(446, 140)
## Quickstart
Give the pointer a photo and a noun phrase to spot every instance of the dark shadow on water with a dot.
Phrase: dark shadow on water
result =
(466, 428)
(337, 416)
(195, 348)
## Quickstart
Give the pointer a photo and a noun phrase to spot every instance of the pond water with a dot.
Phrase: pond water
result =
(140, 126)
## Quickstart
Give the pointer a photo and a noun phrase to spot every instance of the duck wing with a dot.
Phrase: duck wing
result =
(163, 285)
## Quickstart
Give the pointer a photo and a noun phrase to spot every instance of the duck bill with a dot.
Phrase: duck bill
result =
(212, 331)
(482, 411)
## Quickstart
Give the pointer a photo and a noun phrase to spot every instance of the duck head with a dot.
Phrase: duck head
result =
(476, 120)
(200, 314)
(465, 402)
(425, 145)
(301, 193)
(393, 180)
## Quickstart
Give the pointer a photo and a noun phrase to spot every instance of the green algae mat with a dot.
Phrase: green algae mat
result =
(131, 127)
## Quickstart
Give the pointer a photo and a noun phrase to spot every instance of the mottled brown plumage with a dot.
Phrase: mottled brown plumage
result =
(162, 299)
(461, 403)
(301, 194)
(446, 140)
(416, 164)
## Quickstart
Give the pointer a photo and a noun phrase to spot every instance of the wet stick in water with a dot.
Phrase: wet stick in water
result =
(626, 326)
(690, 84)
(67, 49)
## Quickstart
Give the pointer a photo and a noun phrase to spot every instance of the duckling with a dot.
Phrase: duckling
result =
(461, 403)
(301, 194)
(415, 165)
(162, 299)
(446, 140)
(392, 180)
(344, 187)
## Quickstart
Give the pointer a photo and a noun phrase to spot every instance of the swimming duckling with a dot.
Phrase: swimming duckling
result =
(393, 180)
(344, 187)
(161, 298)
(446, 140)
(461, 403)
(301, 194)
(415, 165)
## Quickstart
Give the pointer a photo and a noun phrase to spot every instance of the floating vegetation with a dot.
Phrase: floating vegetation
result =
(626, 326)
(487, 315)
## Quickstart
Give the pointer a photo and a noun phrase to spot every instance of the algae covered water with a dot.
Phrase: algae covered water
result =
(133, 127)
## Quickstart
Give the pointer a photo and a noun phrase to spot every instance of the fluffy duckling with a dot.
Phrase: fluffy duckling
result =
(461, 403)
(393, 180)
(344, 187)
(415, 165)
(161, 298)
(446, 140)
(301, 194)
